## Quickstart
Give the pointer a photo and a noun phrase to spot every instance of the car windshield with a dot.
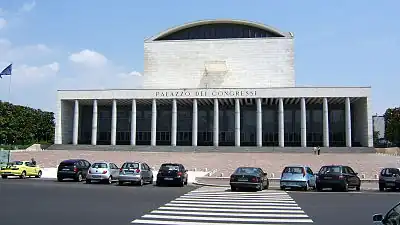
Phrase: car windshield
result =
(330, 169)
(99, 165)
(130, 166)
(247, 170)
(15, 163)
(295, 170)
(67, 163)
(390, 171)
(169, 167)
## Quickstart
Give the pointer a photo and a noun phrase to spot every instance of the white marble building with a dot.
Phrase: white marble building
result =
(217, 83)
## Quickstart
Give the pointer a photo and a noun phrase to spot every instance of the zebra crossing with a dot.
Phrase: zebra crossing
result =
(220, 206)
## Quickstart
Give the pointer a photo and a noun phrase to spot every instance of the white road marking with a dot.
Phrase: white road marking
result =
(216, 206)
(227, 219)
(233, 209)
(236, 206)
(229, 214)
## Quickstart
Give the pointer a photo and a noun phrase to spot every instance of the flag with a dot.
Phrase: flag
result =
(7, 71)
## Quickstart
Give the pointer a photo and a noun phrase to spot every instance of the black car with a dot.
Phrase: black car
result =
(76, 169)
(172, 173)
(337, 177)
(389, 178)
(392, 217)
(249, 177)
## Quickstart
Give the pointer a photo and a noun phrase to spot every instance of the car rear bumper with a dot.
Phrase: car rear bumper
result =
(389, 184)
(293, 183)
(330, 184)
(129, 178)
(169, 179)
(66, 174)
(244, 184)
(97, 176)
(10, 172)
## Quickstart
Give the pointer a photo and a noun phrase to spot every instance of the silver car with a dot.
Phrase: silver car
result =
(102, 171)
(135, 173)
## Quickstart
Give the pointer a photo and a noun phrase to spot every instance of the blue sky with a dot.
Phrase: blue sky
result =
(66, 44)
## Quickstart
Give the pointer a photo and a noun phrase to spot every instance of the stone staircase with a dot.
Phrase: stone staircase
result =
(204, 149)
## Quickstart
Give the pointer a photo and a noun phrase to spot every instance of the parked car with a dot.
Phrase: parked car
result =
(103, 171)
(172, 173)
(23, 169)
(389, 178)
(391, 218)
(337, 177)
(76, 169)
(297, 177)
(135, 173)
(249, 177)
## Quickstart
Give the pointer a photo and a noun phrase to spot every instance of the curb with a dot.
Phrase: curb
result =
(278, 179)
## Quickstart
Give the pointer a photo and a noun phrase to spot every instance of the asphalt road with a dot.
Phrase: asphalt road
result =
(47, 202)
(330, 208)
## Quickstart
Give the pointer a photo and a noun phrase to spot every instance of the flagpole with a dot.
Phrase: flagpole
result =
(9, 90)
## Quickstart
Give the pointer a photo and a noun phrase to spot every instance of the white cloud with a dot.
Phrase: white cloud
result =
(9, 52)
(3, 23)
(29, 75)
(88, 58)
(28, 6)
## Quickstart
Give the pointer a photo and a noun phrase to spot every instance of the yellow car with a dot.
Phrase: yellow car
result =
(23, 169)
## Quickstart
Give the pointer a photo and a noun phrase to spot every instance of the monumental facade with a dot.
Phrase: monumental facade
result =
(217, 83)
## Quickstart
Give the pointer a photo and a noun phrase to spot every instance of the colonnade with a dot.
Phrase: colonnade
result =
(174, 120)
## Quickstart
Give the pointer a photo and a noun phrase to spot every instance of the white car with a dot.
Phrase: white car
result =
(102, 171)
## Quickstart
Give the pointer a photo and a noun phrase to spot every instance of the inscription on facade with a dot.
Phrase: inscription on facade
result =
(206, 93)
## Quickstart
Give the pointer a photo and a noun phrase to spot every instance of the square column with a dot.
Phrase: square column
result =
(237, 122)
(94, 123)
(133, 123)
(174, 121)
(194, 123)
(325, 127)
(58, 137)
(281, 123)
(303, 122)
(216, 123)
(75, 131)
(259, 122)
(153, 122)
(348, 121)
(114, 123)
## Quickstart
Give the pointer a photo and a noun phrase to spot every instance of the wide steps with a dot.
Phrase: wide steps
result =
(232, 149)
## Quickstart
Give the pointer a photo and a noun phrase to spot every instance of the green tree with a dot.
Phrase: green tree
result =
(21, 125)
(392, 124)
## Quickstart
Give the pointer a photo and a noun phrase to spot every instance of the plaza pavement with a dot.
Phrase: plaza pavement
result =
(220, 163)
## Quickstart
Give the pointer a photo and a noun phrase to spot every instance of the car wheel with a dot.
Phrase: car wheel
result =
(282, 188)
(186, 181)
(233, 188)
(318, 188)
(358, 188)
(59, 179)
(260, 187)
(88, 181)
(4, 176)
(182, 183)
(79, 177)
(381, 188)
(151, 180)
(158, 183)
(23, 175)
(305, 188)
(109, 180)
(346, 187)
(39, 175)
(141, 182)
